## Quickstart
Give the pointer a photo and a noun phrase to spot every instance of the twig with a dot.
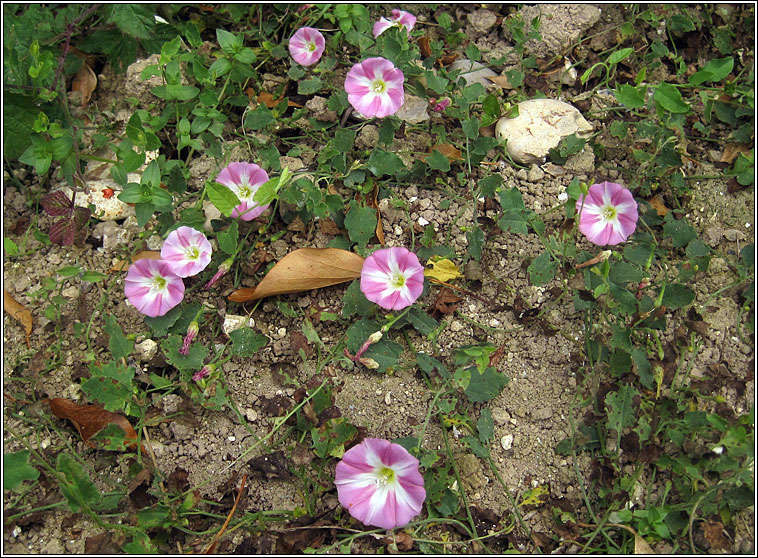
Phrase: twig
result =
(69, 31)
(212, 546)
(464, 291)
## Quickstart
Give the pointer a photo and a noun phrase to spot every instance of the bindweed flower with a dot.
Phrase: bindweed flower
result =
(379, 483)
(375, 87)
(393, 278)
(307, 45)
(244, 179)
(152, 287)
(203, 372)
(187, 251)
(192, 331)
(608, 214)
(399, 18)
(441, 105)
(223, 269)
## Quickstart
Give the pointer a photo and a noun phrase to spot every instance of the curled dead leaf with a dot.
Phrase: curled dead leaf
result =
(19, 312)
(501, 81)
(731, 150)
(90, 419)
(303, 270)
(657, 203)
(123, 265)
(85, 82)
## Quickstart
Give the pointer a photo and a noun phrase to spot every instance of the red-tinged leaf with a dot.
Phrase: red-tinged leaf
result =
(62, 232)
(19, 312)
(57, 203)
(303, 270)
(81, 216)
(90, 419)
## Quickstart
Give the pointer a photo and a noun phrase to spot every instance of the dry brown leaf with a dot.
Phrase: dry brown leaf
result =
(85, 82)
(90, 419)
(501, 81)
(18, 312)
(303, 270)
(731, 150)
(657, 203)
(424, 46)
(123, 265)
(451, 152)
(374, 202)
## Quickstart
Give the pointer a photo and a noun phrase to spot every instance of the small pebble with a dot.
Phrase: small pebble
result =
(507, 442)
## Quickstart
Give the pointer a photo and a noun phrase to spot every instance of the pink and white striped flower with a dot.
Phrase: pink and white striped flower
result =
(375, 87)
(306, 46)
(187, 251)
(244, 179)
(152, 287)
(399, 18)
(608, 214)
(379, 483)
(393, 278)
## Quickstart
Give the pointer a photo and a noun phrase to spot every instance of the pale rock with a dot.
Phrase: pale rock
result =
(211, 213)
(146, 350)
(368, 137)
(507, 442)
(535, 174)
(481, 21)
(413, 110)
(539, 127)
(582, 162)
(561, 25)
(71, 292)
(473, 72)
(233, 322)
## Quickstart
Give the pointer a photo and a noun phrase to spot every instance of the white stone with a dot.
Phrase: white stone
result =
(539, 127)
(233, 322)
(413, 110)
(472, 72)
(146, 350)
(507, 441)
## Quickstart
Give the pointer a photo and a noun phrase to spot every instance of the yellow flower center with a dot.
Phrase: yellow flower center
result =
(609, 213)
(244, 192)
(385, 476)
(311, 47)
(159, 283)
(379, 86)
(397, 280)
(193, 253)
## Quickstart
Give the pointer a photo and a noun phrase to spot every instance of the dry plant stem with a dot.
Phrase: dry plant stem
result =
(152, 455)
(212, 546)
(459, 289)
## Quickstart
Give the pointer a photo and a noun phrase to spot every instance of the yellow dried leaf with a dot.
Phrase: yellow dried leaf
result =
(123, 265)
(19, 312)
(443, 270)
(85, 82)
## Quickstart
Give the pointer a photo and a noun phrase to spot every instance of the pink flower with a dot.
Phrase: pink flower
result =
(187, 251)
(203, 372)
(379, 483)
(375, 87)
(399, 18)
(244, 179)
(152, 287)
(223, 269)
(306, 46)
(441, 105)
(192, 331)
(609, 215)
(393, 278)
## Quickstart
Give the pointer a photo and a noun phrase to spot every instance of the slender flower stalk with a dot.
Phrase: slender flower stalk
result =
(152, 287)
(399, 18)
(223, 269)
(244, 179)
(379, 483)
(393, 278)
(187, 251)
(375, 87)
(306, 46)
(608, 214)
(192, 331)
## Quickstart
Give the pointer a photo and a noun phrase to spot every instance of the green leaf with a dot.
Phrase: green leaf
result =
(471, 128)
(246, 341)
(475, 446)
(619, 55)
(110, 385)
(136, 20)
(192, 361)
(475, 238)
(360, 223)
(677, 296)
(639, 356)
(670, 98)
(680, 231)
(10, 247)
(437, 161)
(714, 70)
(491, 106)
(161, 324)
(382, 162)
(355, 302)
(485, 386)
(267, 192)
(309, 86)
(16, 469)
(119, 345)
(93, 276)
(259, 118)
(620, 408)
(222, 197)
(542, 269)
(228, 239)
(19, 114)
(421, 321)
(80, 492)
(485, 426)
(229, 42)
(344, 139)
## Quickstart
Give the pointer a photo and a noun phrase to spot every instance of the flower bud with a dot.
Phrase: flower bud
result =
(203, 372)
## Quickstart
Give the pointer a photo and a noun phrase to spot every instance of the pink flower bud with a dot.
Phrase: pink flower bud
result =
(192, 331)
